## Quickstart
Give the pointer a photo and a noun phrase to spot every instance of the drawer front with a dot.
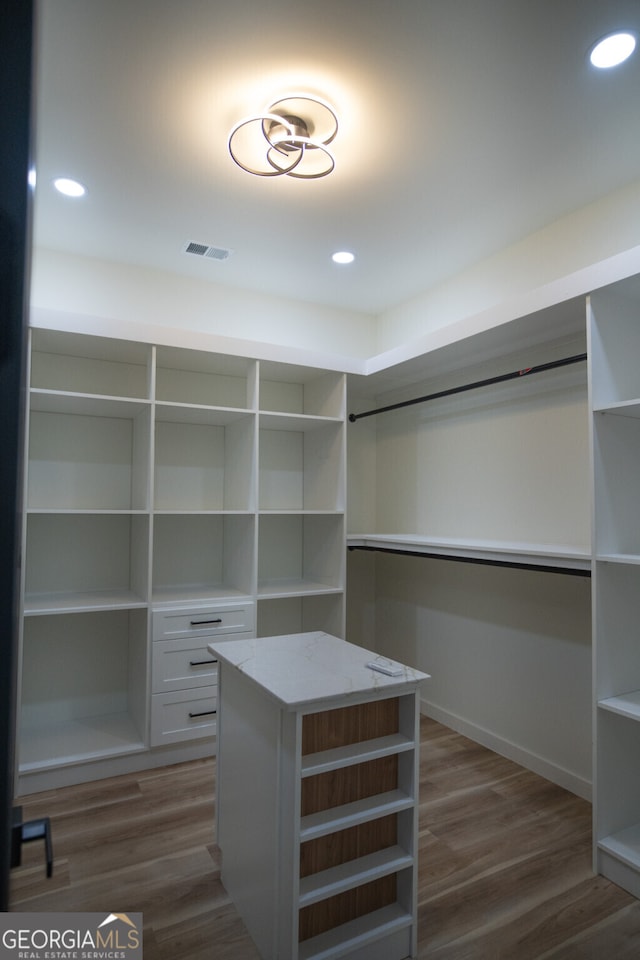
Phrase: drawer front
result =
(203, 621)
(182, 716)
(182, 663)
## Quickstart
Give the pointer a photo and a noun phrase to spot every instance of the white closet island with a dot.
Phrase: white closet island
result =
(317, 790)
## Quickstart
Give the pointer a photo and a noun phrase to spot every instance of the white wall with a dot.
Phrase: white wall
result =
(139, 295)
(508, 465)
(597, 232)
(509, 650)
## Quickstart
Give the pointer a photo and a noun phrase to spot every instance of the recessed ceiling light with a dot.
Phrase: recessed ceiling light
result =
(343, 256)
(612, 50)
(70, 188)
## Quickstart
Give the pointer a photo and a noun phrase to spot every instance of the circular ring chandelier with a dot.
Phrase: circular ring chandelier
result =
(291, 138)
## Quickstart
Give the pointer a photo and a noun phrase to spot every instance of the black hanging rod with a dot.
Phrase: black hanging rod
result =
(551, 365)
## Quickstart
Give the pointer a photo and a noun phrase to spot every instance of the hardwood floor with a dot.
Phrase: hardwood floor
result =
(505, 863)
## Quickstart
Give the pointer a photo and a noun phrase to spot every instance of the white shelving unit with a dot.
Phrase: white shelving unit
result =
(328, 868)
(614, 329)
(156, 480)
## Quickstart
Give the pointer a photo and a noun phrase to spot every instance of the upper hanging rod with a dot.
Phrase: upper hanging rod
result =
(472, 386)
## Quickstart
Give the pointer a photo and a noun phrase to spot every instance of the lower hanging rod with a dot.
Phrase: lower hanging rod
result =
(514, 375)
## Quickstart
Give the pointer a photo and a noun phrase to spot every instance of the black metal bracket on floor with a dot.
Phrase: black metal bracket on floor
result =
(22, 832)
(490, 381)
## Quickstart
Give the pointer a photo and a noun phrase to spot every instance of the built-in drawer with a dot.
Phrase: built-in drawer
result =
(202, 621)
(182, 663)
(183, 715)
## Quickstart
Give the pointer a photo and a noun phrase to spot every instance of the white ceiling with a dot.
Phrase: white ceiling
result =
(464, 126)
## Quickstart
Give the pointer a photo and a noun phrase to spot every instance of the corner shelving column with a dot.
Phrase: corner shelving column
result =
(86, 572)
(301, 499)
(614, 322)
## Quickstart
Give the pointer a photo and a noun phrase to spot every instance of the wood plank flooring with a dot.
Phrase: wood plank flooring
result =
(505, 863)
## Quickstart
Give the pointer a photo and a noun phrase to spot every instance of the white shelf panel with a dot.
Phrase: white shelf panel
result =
(86, 404)
(351, 814)
(169, 412)
(299, 423)
(624, 408)
(343, 940)
(354, 873)
(197, 593)
(628, 558)
(90, 738)
(89, 512)
(47, 603)
(300, 513)
(543, 555)
(203, 513)
(273, 590)
(314, 763)
(624, 846)
(627, 705)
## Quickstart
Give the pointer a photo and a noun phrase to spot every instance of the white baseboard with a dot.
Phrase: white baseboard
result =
(86, 772)
(550, 771)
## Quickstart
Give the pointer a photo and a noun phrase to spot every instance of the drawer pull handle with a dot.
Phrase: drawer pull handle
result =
(200, 663)
(205, 713)
(198, 623)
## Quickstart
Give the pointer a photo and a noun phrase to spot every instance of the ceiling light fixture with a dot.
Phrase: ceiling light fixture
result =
(343, 256)
(612, 50)
(70, 188)
(290, 138)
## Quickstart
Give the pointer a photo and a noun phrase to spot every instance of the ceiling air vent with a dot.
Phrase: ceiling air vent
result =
(207, 251)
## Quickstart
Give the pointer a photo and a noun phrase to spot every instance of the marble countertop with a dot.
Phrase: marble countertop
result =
(303, 668)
